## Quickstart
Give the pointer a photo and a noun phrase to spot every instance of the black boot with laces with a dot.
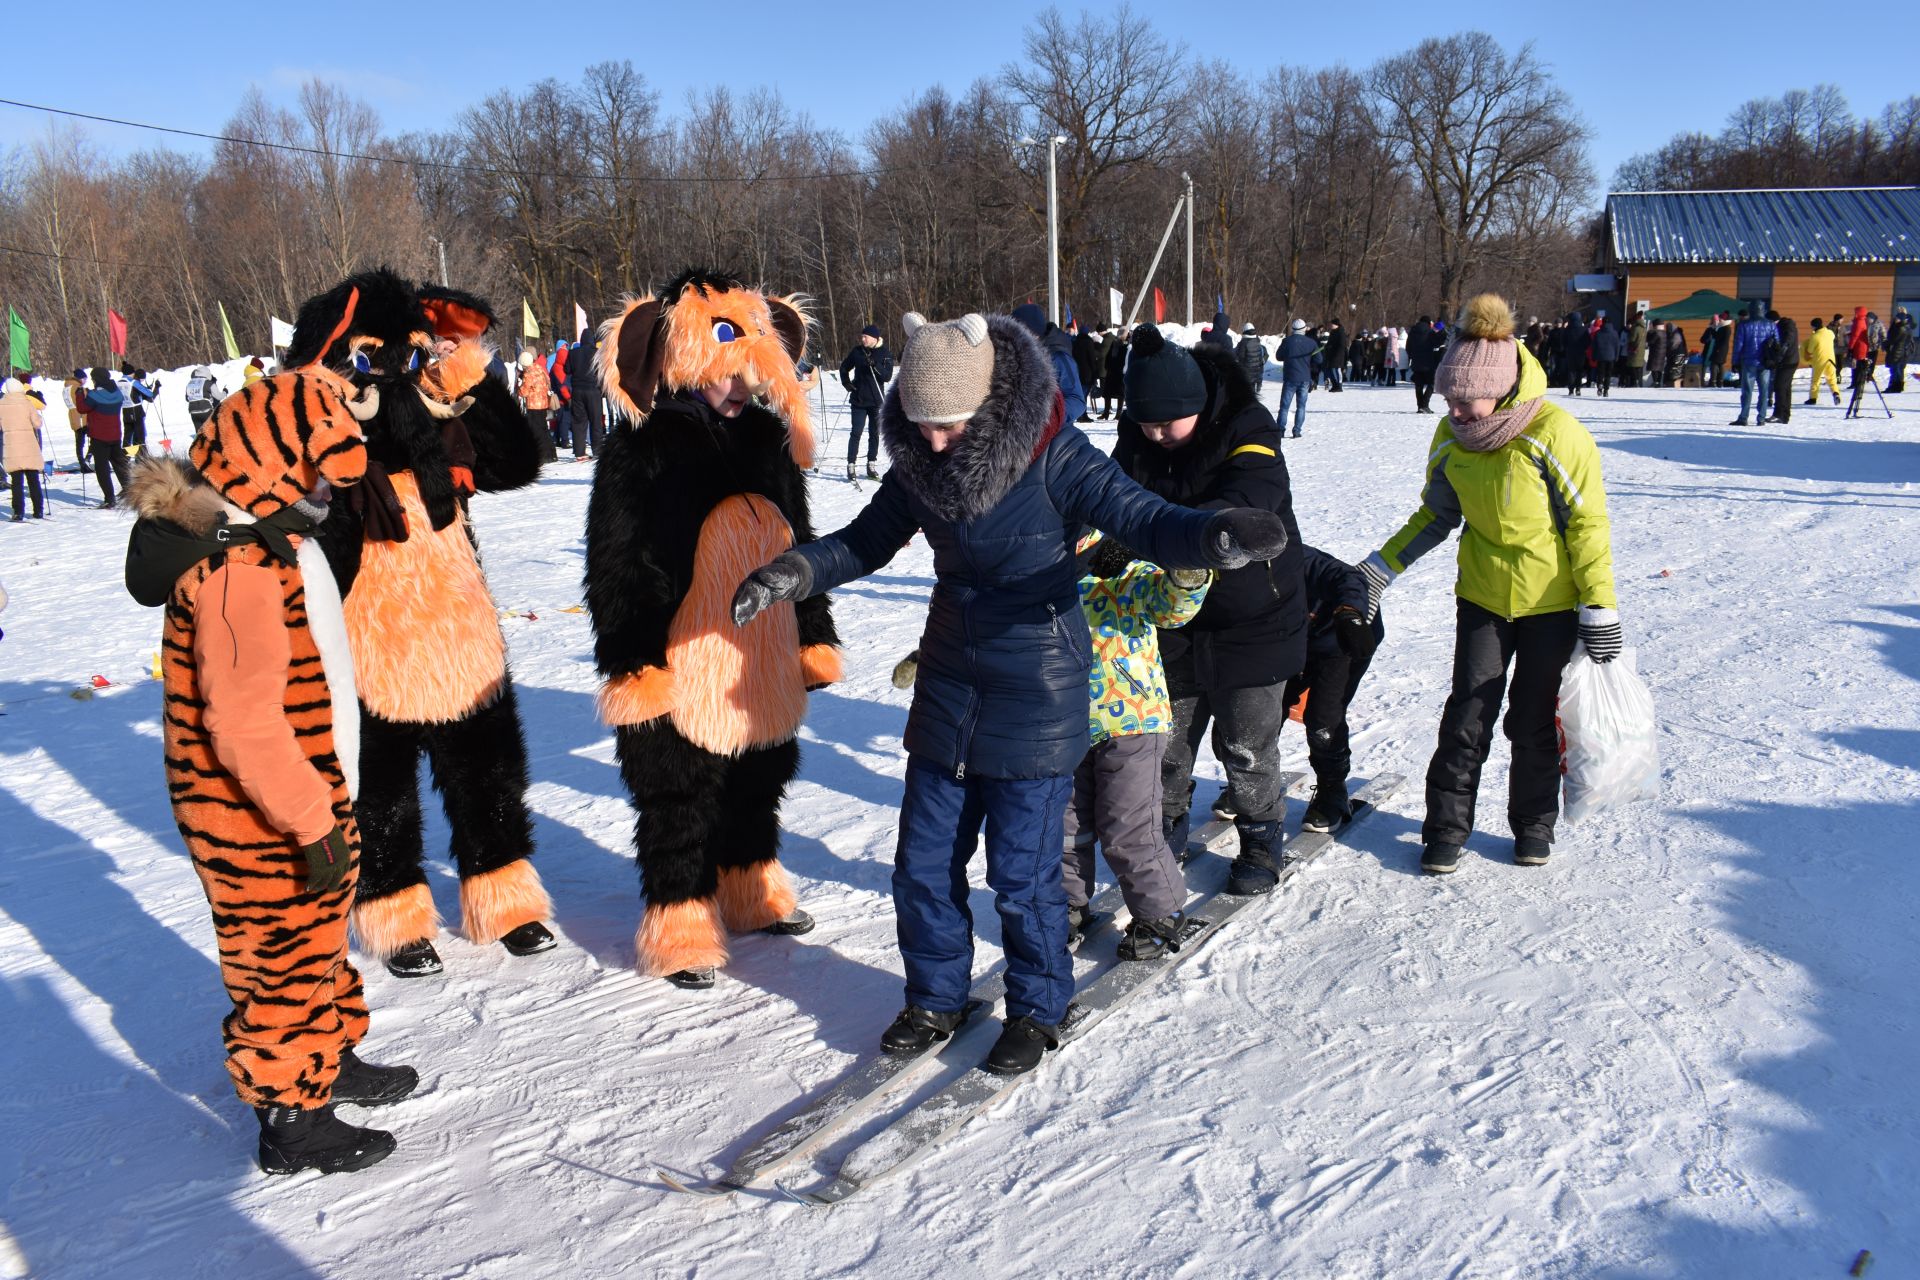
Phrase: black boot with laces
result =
(1021, 1045)
(296, 1138)
(916, 1030)
(363, 1084)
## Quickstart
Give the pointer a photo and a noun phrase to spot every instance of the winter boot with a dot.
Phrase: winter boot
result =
(1022, 1042)
(1440, 858)
(791, 925)
(850, 472)
(1330, 808)
(295, 1138)
(529, 939)
(1257, 869)
(916, 1030)
(363, 1084)
(699, 978)
(1080, 921)
(415, 960)
(1176, 831)
(1531, 851)
(1223, 806)
(873, 472)
(1151, 939)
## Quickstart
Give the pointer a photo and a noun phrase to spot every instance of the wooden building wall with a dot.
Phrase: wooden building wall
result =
(1799, 290)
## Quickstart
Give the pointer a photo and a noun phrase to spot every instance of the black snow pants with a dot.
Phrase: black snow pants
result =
(1246, 738)
(1329, 683)
(1485, 645)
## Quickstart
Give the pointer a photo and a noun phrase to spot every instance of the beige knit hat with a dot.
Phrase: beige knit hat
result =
(1481, 361)
(946, 369)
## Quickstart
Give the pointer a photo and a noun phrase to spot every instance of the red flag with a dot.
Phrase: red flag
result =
(116, 333)
(1159, 306)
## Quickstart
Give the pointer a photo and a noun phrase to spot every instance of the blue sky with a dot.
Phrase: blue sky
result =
(1637, 81)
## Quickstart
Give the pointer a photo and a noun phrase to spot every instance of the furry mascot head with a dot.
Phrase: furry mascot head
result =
(701, 329)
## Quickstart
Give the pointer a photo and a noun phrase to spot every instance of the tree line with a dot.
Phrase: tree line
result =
(1803, 138)
(1368, 195)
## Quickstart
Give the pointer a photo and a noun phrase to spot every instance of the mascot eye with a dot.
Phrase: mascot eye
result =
(413, 360)
(723, 331)
(362, 363)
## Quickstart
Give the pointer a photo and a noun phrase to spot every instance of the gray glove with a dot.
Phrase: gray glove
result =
(788, 577)
(1190, 579)
(1241, 535)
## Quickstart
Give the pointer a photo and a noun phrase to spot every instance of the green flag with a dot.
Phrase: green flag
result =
(226, 332)
(528, 329)
(17, 339)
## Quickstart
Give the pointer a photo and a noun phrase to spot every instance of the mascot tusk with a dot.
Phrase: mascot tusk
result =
(364, 406)
(444, 411)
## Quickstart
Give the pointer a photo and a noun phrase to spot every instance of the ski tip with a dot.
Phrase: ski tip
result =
(693, 1186)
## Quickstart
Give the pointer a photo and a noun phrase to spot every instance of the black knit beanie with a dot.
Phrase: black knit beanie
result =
(1162, 380)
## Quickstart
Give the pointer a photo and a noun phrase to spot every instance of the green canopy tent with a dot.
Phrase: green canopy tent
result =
(1700, 305)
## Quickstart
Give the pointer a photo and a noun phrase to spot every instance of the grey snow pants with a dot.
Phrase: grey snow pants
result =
(1246, 737)
(1116, 802)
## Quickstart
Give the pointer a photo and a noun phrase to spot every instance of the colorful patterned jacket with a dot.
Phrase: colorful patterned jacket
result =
(1128, 685)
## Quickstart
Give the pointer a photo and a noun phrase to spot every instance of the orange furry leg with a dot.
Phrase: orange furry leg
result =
(681, 935)
(387, 924)
(753, 897)
(495, 903)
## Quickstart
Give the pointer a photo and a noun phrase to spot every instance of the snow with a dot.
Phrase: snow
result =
(1685, 1048)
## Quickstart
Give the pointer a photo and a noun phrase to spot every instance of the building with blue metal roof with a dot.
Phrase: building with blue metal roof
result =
(1810, 252)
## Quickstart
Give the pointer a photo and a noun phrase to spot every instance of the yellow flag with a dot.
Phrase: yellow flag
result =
(528, 329)
(226, 332)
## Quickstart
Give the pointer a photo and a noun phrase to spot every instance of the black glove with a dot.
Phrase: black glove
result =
(789, 577)
(1600, 633)
(1354, 633)
(328, 861)
(1241, 535)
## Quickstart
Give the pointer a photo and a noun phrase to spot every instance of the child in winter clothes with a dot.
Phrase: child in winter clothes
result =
(1340, 644)
(1116, 789)
(1816, 352)
(1536, 577)
(987, 464)
(20, 447)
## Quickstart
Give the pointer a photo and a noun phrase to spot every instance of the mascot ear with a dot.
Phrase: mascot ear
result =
(633, 350)
(791, 324)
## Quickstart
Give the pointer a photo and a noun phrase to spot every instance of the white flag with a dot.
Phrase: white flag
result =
(1114, 303)
(579, 320)
(282, 331)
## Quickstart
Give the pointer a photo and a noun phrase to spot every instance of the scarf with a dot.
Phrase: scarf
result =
(1497, 428)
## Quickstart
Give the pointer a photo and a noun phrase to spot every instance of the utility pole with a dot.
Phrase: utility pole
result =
(1053, 223)
(1146, 286)
(442, 244)
(1187, 179)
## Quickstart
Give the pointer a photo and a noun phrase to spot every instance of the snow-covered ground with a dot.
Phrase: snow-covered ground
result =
(1686, 1048)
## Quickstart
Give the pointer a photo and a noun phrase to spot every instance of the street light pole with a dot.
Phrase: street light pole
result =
(443, 260)
(1187, 179)
(1053, 223)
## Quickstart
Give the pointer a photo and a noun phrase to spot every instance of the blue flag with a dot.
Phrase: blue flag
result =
(1069, 323)
(1219, 303)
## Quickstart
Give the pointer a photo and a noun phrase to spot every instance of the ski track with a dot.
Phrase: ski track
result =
(1683, 1049)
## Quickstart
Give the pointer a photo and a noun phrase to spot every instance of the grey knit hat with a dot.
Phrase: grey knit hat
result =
(946, 369)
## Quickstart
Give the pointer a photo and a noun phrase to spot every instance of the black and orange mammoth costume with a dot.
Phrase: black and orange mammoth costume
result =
(429, 659)
(688, 499)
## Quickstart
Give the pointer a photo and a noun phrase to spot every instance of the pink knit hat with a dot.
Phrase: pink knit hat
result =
(1482, 362)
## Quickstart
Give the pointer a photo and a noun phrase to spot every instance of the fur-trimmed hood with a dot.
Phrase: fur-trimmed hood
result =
(1002, 438)
(166, 488)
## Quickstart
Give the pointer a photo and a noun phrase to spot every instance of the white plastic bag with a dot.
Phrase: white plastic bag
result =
(1608, 751)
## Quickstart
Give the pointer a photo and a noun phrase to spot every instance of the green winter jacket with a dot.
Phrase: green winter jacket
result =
(1535, 509)
(1128, 684)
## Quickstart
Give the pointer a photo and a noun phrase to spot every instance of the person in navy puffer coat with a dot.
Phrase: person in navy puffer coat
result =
(1059, 349)
(987, 463)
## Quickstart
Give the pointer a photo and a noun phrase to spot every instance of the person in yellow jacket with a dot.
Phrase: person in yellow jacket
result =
(1816, 352)
(1536, 576)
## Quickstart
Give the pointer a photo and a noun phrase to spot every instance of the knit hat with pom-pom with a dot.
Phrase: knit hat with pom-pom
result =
(1162, 379)
(946, 370)
(1482, 360)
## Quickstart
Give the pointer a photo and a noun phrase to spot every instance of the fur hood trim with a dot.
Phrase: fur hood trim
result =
(1000, 442)
(165, 488)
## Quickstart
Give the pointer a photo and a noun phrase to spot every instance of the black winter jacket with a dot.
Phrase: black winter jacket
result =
(1789, 343)
(1253, 360)
(1113, 371)
(1088, 356)
(1425, 345)
(865, 374)
(1252, 629)
(1004, 659)
(1331, 582)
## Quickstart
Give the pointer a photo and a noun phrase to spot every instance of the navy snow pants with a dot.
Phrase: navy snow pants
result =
(940, 823)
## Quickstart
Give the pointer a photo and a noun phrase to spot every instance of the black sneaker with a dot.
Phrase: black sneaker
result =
(917, 1030)
(1151, 939)
(1329, 810)
(415, 960)
(791, 925)
(1440, 859)
(296, 1138)
(1021, 1045)
(529, 939)
(364, 1084)
(698, 978)
(1531, 851)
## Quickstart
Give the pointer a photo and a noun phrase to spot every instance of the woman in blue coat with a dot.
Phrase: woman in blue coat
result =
(986, 464)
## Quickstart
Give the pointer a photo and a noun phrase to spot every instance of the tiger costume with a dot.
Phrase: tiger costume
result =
(688, 498)
(422, 624)
(259, 729)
